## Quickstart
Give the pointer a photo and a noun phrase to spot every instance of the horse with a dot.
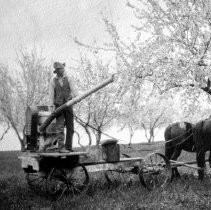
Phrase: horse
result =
(178, 137)
(202, 140)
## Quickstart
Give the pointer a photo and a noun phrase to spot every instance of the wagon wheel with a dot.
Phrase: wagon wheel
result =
(72, 181)
(36, 181)
(116, 177)
(155, 172)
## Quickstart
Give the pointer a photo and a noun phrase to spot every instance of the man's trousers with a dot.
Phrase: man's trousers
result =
(65, 119)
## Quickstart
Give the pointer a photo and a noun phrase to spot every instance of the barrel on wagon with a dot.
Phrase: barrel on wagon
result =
(110, 150)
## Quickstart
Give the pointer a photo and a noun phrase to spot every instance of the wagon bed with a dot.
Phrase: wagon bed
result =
(56, 173)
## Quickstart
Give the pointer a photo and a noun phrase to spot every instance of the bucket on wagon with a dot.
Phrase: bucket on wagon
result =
(110, 150)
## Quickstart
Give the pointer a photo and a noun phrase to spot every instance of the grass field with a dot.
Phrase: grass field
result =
(185, 193)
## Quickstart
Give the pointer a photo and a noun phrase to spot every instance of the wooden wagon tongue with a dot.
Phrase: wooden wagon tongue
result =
(74, 101)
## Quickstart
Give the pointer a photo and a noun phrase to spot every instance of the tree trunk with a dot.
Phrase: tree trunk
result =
(85, 126)
(98, 136)
(131, 134)
(89, 134)
(23, 148)
(149, 140)
(21, 140)
(152, 136)
(79, 139)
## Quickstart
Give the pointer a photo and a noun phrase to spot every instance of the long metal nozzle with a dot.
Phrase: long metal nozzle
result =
(75, 100)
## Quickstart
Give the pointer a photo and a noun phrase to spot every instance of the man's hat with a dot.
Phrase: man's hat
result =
(58, 65)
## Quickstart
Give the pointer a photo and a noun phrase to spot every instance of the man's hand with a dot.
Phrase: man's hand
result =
(52, 108)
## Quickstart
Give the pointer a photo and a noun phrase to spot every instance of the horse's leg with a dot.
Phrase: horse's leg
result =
(210, 159)
(175, 155)
(169, 151)
(200, 158)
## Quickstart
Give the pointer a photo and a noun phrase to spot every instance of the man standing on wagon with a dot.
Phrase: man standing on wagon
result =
(62, 89)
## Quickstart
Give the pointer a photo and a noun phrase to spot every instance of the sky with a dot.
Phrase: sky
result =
(51, 25)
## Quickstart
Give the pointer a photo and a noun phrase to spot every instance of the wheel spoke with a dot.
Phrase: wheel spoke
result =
(36, 182)
(63, 181)
(155, 172)
(62, 193)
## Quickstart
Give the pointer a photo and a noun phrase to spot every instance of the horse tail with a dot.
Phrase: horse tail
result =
(189, 131)
(198, 137)
(167, 136)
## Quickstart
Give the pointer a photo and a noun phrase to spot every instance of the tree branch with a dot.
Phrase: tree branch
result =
(5, 131)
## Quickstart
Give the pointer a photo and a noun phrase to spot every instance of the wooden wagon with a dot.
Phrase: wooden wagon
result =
(56, 174)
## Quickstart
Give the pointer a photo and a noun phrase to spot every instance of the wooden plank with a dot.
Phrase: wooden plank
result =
(177, 163)
(194, 162)
(51, 154)
(133, 159)
(58, 154)
(28, 154)
(118, 166)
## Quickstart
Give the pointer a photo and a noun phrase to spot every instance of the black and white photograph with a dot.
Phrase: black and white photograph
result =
(105, 104)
